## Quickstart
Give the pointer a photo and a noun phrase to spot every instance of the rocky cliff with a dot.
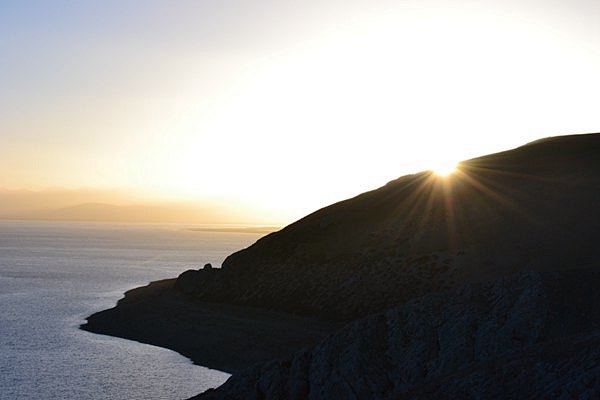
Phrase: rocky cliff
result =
(529, 335)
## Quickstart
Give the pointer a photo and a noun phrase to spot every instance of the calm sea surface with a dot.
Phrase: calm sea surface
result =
(53, 275)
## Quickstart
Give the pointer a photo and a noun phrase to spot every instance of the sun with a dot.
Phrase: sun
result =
(444, 168)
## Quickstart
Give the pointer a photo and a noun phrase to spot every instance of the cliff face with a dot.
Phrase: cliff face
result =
(533, 208)
(530, 335)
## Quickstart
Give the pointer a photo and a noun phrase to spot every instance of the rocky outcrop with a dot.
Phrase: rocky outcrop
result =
(533, 335)
(192, 280)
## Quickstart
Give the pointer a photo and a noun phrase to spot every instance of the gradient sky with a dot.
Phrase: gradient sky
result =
(287, 104)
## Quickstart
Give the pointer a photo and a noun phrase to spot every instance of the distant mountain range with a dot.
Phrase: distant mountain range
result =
(99, 205)
(131, 213)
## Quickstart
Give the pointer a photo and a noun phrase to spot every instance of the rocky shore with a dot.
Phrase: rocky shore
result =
(219, 336)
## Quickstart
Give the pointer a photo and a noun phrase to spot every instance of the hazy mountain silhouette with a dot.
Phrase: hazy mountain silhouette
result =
(479, 285)
(114, 206)
(136, 213)
(17, 203)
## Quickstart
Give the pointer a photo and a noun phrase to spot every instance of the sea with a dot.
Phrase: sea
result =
(55, 274)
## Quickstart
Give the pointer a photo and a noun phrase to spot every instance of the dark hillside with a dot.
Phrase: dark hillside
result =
(421, 233)
(526, 336)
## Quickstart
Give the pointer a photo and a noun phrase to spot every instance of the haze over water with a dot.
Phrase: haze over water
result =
(53, 275)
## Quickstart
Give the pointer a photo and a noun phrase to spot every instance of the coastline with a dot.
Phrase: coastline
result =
(224, 337)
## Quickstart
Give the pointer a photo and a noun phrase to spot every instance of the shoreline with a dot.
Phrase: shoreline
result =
(224, 337)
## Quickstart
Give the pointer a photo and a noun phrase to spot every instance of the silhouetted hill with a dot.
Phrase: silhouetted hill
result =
(535, 207)
(482, 284)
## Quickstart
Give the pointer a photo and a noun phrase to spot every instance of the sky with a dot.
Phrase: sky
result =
(280, 104)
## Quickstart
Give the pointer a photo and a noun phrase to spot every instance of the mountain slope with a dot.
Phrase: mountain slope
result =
(419, 234)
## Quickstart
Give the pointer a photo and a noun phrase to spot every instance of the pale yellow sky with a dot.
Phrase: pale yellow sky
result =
(281, 104)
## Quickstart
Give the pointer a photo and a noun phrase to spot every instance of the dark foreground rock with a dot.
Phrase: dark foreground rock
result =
(224, 337)
(529, 336)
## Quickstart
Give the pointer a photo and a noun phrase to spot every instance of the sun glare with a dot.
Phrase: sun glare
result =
(445, 168)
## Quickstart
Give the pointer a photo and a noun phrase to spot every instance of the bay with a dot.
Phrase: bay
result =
(53, 275)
